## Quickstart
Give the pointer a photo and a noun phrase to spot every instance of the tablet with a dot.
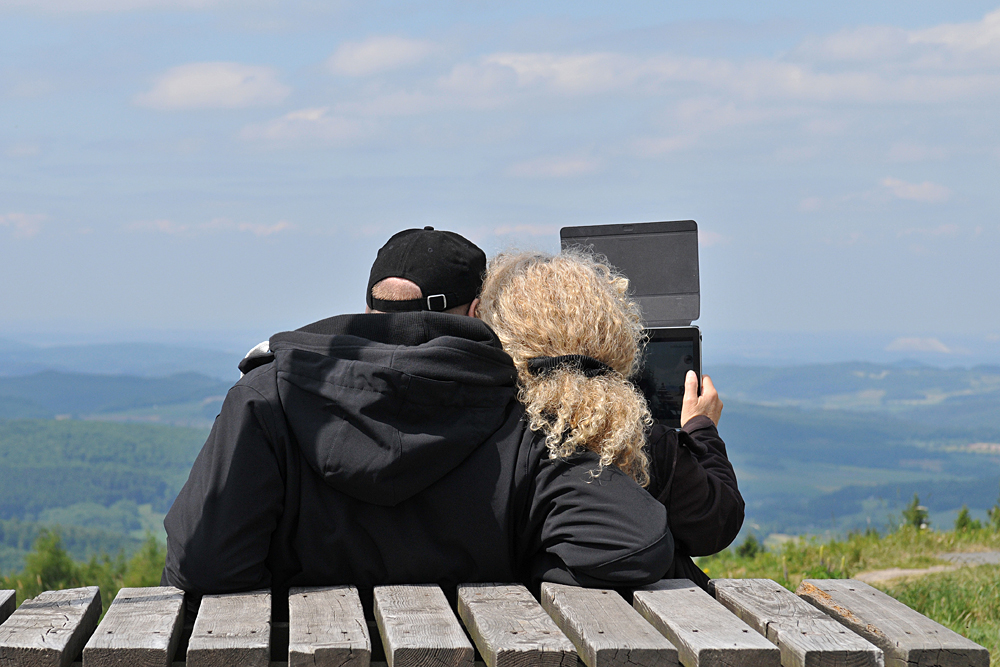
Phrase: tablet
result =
(660, 259)
(670, 354)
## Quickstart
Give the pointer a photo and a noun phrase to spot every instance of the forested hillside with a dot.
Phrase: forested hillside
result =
(106, 483)
(809, 457)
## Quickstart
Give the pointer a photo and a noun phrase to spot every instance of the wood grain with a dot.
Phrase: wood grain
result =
(326, 626)
(511, 629)
(232, 631)
(805, 636)
(908, 638)
(705, 633)
(141, 628)
(418, 627)
(605, 630)
(50, 629)
(8, 601)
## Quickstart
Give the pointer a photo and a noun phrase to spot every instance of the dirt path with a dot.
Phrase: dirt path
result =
(957, 559)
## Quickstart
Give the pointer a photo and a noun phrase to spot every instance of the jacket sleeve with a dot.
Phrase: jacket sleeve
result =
(695, 481)
(597, 530)
(220, 525)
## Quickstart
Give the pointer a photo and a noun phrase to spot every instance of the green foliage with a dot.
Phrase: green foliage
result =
(966, 600)
(49, 567)
(16, 538)
(812, 558)
(964, 520)
(750, 548)
(916, 515)
(993, 515)
(58, 464)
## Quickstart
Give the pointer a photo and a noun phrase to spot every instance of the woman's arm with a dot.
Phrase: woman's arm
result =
(693, 478)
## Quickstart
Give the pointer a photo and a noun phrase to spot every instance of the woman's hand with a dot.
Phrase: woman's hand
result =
(708, 404)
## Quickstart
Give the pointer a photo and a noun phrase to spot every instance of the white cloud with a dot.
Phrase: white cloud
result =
(215, 225)
(554, 167)
(923, 192)
(23, 225)
(918, 345)
(983, 34)
(22, 150)
(307, 124)
(581, 73)
(214, 85)
(378, 54)
(708, 238)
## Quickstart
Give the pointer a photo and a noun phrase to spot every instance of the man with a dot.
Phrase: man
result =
(388, 447)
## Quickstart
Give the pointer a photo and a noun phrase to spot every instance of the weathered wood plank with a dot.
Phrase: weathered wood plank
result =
(8, 600)
(805, 636)
(511, 629)
(141, 629)
(232, 631)
(605, 630)
(50, 629)
(326, 626)
(705, 633)
(908, 638)
(418, 627)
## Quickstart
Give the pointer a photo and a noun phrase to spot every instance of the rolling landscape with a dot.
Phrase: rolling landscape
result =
(819, 449)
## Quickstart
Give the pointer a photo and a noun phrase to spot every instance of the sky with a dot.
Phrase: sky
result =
(215, 171)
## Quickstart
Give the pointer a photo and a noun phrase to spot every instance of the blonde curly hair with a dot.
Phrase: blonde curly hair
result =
(543, 305)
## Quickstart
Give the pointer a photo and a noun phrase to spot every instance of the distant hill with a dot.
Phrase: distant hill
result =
(186, 398)
(808, 470)
(139, 359)
(816, 448)
(948, 397)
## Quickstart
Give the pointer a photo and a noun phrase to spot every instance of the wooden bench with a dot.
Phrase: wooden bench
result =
(752, 622)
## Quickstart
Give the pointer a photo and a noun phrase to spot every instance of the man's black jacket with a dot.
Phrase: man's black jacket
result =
(390, 448)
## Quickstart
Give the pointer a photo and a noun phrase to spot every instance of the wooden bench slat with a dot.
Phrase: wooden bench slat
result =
(805, 636)
(232, 630)
(511, 629)
(606, 631)
(141, 629)
(705, 633)
(51, 628)
(326, 626)
(418, 627)
(8, 601)
(908, 638)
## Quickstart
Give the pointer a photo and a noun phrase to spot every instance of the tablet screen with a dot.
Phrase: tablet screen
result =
(670, 354)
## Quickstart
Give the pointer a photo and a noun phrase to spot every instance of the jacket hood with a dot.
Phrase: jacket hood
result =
(384, 405)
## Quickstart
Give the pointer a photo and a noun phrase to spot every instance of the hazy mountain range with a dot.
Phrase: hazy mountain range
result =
(817, 447)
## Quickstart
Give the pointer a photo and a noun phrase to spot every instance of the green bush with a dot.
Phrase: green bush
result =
(49, 567)
(916, 515)
(964, 520)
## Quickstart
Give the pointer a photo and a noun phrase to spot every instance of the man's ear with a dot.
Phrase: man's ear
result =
(473, 308)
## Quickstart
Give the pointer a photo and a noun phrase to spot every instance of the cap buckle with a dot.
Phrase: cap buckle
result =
(443, 303)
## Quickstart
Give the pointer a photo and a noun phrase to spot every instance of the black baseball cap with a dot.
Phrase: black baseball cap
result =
(448, 269)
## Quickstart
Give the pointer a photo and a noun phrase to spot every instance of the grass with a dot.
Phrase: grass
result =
(966, 600)
(809, 558)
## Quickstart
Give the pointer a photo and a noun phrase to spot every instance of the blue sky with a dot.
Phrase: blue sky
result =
(212, 166)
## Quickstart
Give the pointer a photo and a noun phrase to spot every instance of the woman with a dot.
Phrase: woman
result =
(576, 337)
